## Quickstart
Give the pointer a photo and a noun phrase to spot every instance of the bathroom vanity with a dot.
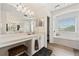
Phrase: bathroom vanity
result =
(15, 30)
(9, 41)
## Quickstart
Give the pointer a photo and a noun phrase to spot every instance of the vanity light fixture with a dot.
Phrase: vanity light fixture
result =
(25, 10)
(32, 13)
(19, 7)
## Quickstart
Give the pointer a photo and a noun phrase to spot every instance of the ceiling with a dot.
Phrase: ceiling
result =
(42, 9)
(49, 6)
(56, 6)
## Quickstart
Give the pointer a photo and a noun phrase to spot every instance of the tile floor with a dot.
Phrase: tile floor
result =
(59, 50)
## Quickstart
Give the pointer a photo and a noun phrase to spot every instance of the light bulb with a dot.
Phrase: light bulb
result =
(32, 13)
(19, 8)
(28, 11)
(24, 10)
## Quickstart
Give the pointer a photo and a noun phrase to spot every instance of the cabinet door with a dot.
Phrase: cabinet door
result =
(41, 39)
(34, 50)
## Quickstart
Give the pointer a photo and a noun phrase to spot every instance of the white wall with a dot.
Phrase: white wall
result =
(0, 18)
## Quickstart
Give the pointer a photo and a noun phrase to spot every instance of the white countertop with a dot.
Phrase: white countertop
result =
(10, 39)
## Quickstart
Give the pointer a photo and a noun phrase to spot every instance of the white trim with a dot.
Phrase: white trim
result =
(69, 11)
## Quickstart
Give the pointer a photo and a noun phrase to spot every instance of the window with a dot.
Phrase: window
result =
(66, 24)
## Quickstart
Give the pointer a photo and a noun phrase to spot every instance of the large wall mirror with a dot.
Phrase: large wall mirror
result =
(13, 21)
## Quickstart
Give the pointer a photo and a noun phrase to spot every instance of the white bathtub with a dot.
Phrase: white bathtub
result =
(72, 42)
